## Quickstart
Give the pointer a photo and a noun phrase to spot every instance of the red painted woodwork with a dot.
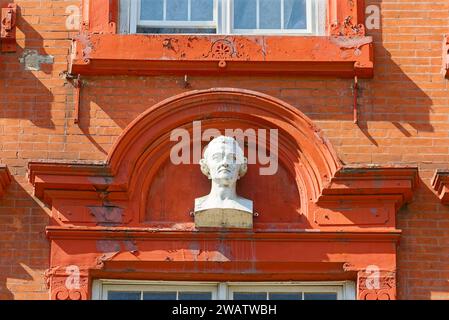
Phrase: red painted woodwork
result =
(5, 178)
(445, 67)
(345, 52)
(114, 219)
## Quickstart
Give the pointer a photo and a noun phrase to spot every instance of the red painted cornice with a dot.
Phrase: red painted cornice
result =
(74, 176)
(440, 183)
(345, 51)
(5, 178)
(114, 54)
(374, 234)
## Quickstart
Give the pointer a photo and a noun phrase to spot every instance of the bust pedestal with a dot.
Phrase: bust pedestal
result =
(229, 214)
(224, 218)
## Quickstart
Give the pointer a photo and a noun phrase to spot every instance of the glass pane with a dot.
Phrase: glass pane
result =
(285, 296)
(195, 296)
(270, 14)
(295, 14)
(141, 29)
(177, 10)
(202, 10)
(250, 296)
(123, 295)
(159, 295)
(245, 14)
(320, 296)
(152, 10)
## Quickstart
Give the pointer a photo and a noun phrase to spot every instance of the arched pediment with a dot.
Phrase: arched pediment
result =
(140, 184)
(131, 212)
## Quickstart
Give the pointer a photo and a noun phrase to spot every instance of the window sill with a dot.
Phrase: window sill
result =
(115, 54)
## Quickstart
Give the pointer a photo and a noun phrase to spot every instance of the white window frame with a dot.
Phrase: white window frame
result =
(223, 22)
(311, 18)
(135, 19)
(345, 290)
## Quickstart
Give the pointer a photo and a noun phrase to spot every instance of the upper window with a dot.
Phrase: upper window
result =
(304, 17)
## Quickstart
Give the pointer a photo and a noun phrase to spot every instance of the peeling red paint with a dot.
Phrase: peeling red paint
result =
(156, 54)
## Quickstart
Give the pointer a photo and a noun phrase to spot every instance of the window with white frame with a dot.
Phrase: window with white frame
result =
(302, 17)
(171, 290)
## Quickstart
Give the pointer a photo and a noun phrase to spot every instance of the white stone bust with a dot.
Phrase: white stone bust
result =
(224, 163)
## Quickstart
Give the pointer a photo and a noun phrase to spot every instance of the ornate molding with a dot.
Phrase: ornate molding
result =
(141, 54)
(106, 52)
(347, 28)
(67, 283)
(376, 285)
(98, 233)
(370, 184)
(5, 178)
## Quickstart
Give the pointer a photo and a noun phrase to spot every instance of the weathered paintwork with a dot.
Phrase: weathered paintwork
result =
(344, 52)
(5, 178)
(104, 218)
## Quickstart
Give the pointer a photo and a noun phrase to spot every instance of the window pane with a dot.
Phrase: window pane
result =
(295, 14)
(320, 296)
(202, 10)
(141, 29)
(250, 296)
(123, 295)
(245, 14)
(159, 295)
(285, 296)
(152, 10)
(177, 10)
(270, 14)
(195, 296)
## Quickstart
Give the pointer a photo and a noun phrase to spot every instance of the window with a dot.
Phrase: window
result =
(303, 17)
(170, 290)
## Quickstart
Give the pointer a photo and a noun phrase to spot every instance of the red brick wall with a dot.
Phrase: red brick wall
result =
(404, 119)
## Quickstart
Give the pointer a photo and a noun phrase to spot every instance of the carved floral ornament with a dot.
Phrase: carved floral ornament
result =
(100, 210)
(380, 286)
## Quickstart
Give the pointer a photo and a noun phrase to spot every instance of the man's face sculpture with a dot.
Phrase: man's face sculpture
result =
(223, 161)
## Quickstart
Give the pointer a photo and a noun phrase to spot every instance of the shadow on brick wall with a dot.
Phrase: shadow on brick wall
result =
(26, 76)
(392, 95)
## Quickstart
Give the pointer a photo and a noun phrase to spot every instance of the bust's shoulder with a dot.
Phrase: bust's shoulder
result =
(246, 203)
(200, 201)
